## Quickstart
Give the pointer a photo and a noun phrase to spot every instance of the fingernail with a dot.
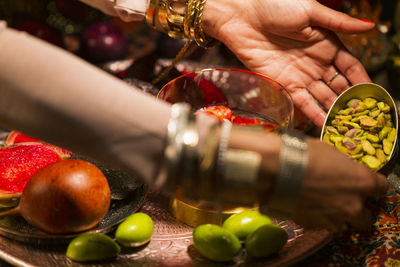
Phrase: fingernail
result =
(367, 20)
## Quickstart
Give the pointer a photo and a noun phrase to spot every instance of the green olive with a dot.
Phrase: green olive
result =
(243, 223)
(92, 247)
(135, 231)
(265, 241)
(216, 243)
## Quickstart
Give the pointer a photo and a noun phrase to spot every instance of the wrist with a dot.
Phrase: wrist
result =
(269, 147)
(292, 168)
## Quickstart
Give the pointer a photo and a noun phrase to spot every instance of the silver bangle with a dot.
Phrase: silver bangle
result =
(237, 171)
(293, 162)
(181, 146)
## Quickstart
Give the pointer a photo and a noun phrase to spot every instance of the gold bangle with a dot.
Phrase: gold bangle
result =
(192, 24)
(167, 17)
(179, 19)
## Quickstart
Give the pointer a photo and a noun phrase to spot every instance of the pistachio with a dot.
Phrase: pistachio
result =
(349, 143)
(357, 156)
(380, 155)
(377, 145)
(374, 113)
(332, 130)
(365, 112)
(380, 105)
(342, 129)
(367, 147)
(343, 118)
(385, 108)
(372, 138)
(371, 161)
(326, 138)
(347, 111)
(335, 138)
(392, 135)
(351, 133)
(370, 102)
(387, 146)
(381, 119)
(384, 132)
(339, 146)
(358, 140)
(358, 149)
(375, 129)
(353, 103)
(358, 118)
(368, 122)
(349, 124)
(360, 107)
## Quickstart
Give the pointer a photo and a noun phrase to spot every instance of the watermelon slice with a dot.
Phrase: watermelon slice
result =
(224, 113)
(221, 112)
(19, 162)
(238, 120)
(15, 137)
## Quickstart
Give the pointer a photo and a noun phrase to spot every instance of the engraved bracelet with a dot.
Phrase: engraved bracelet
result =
(180, 134)
(293, 162)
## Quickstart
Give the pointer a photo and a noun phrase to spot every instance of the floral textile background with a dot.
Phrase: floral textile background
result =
(379, 247)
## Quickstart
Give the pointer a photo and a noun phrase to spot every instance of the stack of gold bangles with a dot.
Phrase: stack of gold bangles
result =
(180, 19)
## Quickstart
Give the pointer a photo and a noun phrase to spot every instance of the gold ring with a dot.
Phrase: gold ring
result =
(333, 77)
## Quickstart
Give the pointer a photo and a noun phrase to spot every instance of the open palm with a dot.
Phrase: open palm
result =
(293, 42)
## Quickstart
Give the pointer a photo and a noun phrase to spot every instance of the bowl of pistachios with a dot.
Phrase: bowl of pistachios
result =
(363, 124)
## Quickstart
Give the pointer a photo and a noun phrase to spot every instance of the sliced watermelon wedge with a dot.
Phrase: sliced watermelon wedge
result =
(19, 162)
(15, 137)
(221, 112)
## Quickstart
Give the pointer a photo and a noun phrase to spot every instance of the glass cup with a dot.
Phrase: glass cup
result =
(249, 95)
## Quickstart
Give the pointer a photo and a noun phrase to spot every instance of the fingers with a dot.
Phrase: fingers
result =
(326, 17)
(322, 93)
(350, 67)
(382, 185)
(308, 105)
(361, 221)
(335, 80)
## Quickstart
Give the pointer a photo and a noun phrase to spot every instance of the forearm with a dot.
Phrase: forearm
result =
(55, 96)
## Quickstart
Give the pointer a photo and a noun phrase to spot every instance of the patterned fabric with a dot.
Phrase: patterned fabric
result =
(379, 247)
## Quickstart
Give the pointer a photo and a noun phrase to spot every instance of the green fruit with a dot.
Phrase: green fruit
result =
(92, 247)
(135, 231)
(244, 223)
(216, 243)
(266, 240)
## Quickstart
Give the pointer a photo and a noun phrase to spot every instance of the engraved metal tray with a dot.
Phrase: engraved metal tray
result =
(171, 245)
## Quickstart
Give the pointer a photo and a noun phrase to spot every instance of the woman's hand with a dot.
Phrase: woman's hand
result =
(335, 189)
(292, 42)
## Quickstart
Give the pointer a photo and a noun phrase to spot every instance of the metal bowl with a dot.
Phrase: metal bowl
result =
(362, 91)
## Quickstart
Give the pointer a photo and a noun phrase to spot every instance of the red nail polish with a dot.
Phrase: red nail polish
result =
(367, 20)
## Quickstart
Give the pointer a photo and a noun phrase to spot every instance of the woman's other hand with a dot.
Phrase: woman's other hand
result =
(294, 43)
(336, 189)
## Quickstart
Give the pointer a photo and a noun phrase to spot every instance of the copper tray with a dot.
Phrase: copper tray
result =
(171, 245)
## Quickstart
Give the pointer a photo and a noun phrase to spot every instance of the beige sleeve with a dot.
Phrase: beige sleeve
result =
(52, 95)
(127, 10)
